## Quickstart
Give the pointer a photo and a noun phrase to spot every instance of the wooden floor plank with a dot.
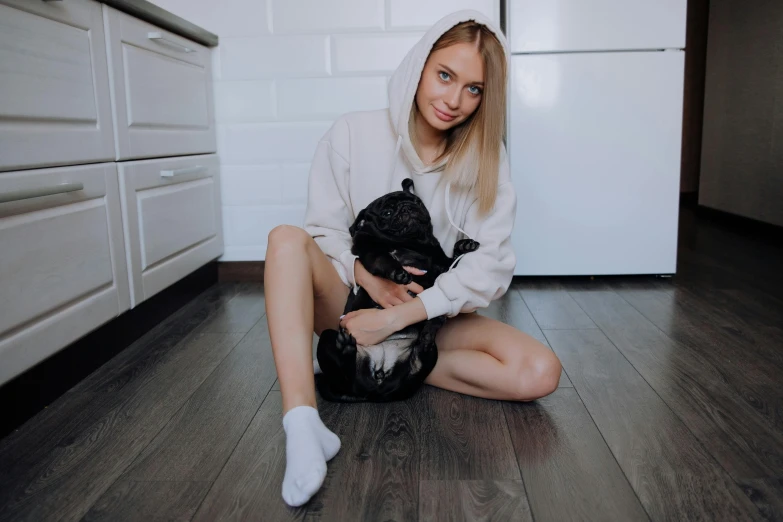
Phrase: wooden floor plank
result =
(682, 394)
(142, 359)
(767, 495)
(552, 306)
(512, 310)
(249, 486)
(562, 455)
(376, 474)
(63, 481)
(473, 500)
(724, 252)
(99, 391)
(130, 501)
(463, 438)
(744, 317)
(671, 473)
(757, 308)
(198, 440)
(697, 390)
(748, 358)
(242, 312)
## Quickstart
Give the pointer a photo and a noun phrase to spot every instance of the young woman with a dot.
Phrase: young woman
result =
(444, 129)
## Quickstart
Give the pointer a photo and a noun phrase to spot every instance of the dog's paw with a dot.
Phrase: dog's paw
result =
(345, 341)
(465, 246)
(401, 276)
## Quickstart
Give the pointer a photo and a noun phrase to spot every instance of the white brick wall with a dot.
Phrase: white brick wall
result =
(284, 70)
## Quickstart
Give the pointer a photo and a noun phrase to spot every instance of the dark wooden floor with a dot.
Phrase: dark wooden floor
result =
(670, 408)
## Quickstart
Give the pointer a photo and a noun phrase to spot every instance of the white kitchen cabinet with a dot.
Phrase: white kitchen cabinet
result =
(62, 261)
(171, 211)
(84, 235)
(54, 84)
(161, 90)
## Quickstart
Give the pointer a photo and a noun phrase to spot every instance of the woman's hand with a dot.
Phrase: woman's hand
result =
(372, 326)
(384, 292)
(369, 326)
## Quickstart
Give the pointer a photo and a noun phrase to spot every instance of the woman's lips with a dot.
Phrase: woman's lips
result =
(442, 115)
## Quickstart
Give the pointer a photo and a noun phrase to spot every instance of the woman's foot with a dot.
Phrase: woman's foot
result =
(309, 445)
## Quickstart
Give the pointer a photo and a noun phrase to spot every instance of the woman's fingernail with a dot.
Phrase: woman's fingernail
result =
(423, 271)
(342, 316)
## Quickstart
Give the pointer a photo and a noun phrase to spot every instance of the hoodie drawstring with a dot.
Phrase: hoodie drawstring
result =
(448, 211)
(446, 202)
(451, 221)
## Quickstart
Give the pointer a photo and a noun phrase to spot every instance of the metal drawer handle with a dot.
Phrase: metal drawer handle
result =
(19, 195)
(198, 169)
(161, 39)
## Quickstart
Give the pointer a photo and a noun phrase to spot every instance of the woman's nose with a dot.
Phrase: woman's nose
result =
(452, 98)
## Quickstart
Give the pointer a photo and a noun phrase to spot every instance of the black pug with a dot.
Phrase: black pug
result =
(393, 231)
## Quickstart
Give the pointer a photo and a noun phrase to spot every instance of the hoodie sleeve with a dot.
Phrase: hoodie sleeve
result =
(328, 215)
(484, 275)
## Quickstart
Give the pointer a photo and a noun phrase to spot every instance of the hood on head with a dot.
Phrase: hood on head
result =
(405, 80)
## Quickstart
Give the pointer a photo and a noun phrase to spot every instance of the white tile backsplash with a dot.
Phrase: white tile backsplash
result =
(294, 183)
(324, 98)
(245, 101)
(274, 57)
(279, 142)
(247, 228)
(421, 14)
(324, 16)
(370, 53)
(284, 71)
(248, 185)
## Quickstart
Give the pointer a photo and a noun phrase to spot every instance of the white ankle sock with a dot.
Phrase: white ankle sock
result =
(308, 446)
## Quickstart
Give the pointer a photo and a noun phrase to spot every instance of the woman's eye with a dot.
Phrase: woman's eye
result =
(474, 90)
(444, 76)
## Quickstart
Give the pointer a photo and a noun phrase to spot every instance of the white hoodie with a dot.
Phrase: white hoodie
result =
(367, 154)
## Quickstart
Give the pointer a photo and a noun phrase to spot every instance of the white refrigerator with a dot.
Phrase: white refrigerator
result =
(594, 134)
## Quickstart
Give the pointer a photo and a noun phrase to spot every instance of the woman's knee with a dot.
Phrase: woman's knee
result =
(286, 239)
(538, 376)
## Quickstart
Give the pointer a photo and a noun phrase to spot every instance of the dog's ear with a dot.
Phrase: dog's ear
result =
(357, 224)
(407, 185)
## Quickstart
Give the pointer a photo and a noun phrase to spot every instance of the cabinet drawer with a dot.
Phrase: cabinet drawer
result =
(62, 261)
(54, 84)
(162, 87)
(171, 209)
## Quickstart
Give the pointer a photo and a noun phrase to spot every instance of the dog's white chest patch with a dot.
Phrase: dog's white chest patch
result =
(384, 355)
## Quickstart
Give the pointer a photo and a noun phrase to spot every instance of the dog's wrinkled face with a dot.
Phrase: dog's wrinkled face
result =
(394, 216)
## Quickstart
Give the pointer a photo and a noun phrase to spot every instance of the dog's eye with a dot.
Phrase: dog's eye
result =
(387, 213)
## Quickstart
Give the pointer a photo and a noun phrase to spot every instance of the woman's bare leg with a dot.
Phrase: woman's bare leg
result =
(303, 292)
(483, 357)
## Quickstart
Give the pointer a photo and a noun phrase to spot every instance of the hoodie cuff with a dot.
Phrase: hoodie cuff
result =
(435, 302)
(349, 263)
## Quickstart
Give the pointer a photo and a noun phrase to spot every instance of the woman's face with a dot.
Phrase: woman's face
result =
(451, 86)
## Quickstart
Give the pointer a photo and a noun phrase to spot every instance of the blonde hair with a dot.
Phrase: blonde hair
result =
(473, 147)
